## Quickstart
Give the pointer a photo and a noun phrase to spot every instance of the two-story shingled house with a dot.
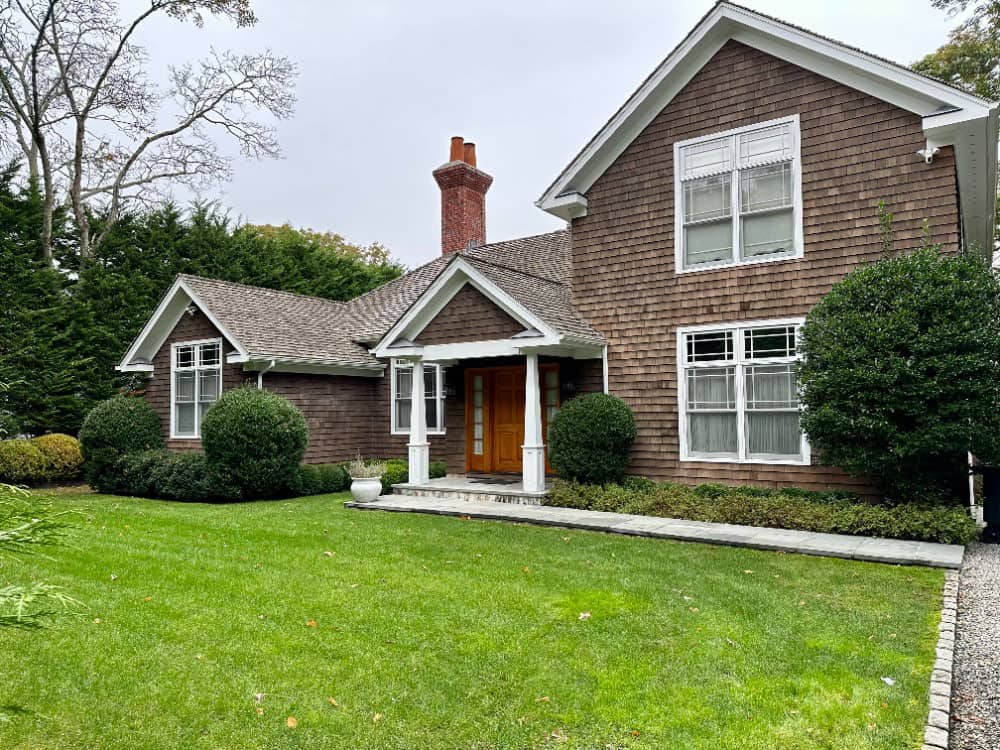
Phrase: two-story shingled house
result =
(705, 219)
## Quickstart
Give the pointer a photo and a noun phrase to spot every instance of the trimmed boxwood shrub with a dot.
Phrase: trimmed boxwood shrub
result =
(114, 428)
(170, 476)
(62, 453)
(322, 479)
(396, 471)
(590, 439)
(828, 512)
(255, 440)
(23, 462)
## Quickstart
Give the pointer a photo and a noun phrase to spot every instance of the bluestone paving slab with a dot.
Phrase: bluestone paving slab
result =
(810, 543)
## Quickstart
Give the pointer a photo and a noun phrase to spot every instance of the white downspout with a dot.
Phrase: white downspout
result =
(604, 368)
(260, 374)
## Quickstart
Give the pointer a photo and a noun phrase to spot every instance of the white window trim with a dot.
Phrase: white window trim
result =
(739, 363)
(173, 385)
(440, 395)
(735, 200)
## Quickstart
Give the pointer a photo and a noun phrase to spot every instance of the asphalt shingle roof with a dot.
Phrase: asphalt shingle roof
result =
(533, 270)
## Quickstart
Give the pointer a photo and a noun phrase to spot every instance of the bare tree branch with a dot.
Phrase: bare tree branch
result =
(76, 101)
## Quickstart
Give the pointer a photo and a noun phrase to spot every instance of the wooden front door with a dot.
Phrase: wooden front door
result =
(508, 418)
(494, 415)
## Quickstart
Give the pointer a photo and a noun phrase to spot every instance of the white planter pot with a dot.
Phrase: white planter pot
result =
(366, 490)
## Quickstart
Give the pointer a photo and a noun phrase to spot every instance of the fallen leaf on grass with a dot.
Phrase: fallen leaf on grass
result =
(376, 718)
(260, 711)
(328, 553)
(543, 699)
(97, 620)
(694, 609)
(147, 598)
(888, 681)
(291, 722)
(332, 701)
(585, 615)
(311, 624)
(525, 569)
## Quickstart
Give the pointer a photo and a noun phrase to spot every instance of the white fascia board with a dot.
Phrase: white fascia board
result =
(162, 322)
(853, 68)
(440, 293)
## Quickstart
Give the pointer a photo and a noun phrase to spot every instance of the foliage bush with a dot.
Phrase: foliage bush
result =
(255, 440)
(590, 439)
(830, 512)
(23, 462)
(900, 374)
(397, 471)
(63, 455)
(170, 476)
(322, 479)
(114, 428)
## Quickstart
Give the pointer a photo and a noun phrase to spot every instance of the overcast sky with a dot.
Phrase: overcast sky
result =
(383, 84)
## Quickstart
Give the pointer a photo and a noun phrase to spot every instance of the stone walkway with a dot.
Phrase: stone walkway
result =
(975, 706)
(804, 542)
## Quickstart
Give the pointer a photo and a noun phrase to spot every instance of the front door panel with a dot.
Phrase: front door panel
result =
(508, 418)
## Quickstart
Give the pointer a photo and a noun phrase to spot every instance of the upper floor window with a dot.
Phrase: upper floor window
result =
(196, 372)
(738, 394)
(402, 384)
(738, 196)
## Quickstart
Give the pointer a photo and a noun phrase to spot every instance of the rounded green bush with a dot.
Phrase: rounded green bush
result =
(114, 428)
(255, 440)
(63, 455)
(22, 462)
(900, 373)
(590, 439)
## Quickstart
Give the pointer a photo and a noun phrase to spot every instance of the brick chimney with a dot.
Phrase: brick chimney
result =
(463, 198)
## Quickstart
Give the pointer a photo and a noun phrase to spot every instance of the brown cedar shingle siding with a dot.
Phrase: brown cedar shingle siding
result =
(337, 409)
(189, 328)
(855, 151)
(469, 316)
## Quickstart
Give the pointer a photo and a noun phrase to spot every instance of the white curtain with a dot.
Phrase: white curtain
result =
(770, 432)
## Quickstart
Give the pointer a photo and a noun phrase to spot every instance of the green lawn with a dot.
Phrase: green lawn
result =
(378, 630)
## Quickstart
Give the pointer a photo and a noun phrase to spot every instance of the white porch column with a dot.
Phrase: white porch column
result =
(419, 448)
(534, 443)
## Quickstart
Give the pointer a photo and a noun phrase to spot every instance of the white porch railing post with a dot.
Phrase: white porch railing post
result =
(419, 448)
(533, 450)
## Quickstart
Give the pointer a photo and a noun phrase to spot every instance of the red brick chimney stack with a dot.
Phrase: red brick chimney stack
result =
(463, 198)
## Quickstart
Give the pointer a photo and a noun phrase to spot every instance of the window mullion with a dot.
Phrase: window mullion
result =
(741, 418)
(734, 200)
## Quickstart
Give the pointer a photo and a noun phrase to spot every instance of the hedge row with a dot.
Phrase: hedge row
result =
(189, 477)
(830, 512)
(49, 458)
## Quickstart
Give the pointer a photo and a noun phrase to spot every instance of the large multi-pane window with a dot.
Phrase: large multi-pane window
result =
(738, 396)
(738, 196)
(196, 372)
(402, 385)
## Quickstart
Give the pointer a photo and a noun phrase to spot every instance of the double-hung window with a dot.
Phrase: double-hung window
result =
(402, 383)
(196, 372)
(738, 395)
(738, 196)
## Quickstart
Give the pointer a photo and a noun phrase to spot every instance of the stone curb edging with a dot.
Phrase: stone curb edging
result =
(937, 731)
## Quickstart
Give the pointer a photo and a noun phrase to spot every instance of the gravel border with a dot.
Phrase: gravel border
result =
(937, 731)
(976, 699)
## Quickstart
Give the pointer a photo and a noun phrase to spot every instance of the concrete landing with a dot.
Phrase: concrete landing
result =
(804, 542)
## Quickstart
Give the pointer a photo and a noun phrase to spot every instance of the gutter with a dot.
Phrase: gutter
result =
(260, 375)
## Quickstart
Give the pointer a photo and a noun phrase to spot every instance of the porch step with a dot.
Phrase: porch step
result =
(466, 492)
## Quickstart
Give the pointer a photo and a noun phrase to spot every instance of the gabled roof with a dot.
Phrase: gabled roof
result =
(298, 330)
(950, 115)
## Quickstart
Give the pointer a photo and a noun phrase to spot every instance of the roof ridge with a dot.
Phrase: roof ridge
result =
(515, 270)
(339, 303)
(396, 280)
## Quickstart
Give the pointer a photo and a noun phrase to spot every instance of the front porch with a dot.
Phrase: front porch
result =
(497, 488)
